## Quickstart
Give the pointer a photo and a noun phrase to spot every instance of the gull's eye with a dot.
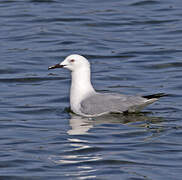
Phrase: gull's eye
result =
(72, 60)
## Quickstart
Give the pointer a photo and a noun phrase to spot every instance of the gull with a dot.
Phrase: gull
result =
(85, 101)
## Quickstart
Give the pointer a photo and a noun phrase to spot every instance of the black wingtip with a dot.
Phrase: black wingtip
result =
(158, 95)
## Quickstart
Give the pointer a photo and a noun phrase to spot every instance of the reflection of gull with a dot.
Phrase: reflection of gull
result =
(87, 102)
(81, 125)
(79, 154)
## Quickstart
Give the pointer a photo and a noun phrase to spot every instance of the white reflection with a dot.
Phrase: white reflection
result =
(74, 159)
(79, 125)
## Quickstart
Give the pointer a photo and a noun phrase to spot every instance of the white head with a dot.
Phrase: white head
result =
(73, 62)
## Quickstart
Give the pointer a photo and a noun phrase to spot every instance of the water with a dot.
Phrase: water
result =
(134, 48)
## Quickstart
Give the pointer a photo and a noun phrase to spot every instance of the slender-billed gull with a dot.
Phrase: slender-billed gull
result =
(85, 101)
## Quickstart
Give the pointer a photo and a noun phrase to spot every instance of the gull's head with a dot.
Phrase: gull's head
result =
(73, 62)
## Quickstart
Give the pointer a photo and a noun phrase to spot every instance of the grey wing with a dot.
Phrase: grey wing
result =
(105, 103)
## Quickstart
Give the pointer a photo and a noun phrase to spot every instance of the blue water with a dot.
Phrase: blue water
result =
(135, 47)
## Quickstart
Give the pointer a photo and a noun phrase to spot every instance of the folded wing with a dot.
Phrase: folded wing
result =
(111, 102)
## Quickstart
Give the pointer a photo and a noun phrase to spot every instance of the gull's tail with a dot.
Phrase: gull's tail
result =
(155, 96)
(149, 100)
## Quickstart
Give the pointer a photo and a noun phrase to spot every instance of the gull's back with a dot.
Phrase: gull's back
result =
(98, 103)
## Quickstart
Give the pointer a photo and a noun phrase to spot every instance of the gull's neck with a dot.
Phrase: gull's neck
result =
(81, 87)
